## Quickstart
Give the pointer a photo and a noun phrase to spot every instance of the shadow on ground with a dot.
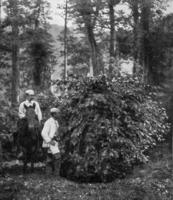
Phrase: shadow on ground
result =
(148, 182)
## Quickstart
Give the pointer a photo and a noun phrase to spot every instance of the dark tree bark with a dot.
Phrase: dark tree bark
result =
(89, 16)
(94, 49)
(0, 11)
(15, 74)
(112, 34)
(15, 52)
(136, 34)
(145, 25)
(112, 50)
(65, 42)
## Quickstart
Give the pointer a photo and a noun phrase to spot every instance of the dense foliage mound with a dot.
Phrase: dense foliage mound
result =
(111, 125)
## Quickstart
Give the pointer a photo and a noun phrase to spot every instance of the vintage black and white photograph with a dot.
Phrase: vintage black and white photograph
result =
(86, 99)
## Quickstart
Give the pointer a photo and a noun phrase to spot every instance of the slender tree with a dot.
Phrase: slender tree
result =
(14, 22)
(135, 6)
(0, 11)
(112, 50)
(144, 17)
(145, 25)
(27, 30)
(13, 11)
(65, 41)
(86, 14)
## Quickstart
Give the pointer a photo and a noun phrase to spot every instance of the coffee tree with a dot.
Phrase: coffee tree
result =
(108, 127)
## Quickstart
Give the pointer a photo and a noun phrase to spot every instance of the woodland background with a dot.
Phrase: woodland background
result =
(83, 65)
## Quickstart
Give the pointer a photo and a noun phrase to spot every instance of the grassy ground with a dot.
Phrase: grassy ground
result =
(150, 182)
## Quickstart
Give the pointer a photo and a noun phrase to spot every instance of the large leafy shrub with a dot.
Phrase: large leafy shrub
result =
(110, 126)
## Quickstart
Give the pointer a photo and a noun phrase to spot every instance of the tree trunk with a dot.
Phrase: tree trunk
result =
(97, 67)
(15, 52)
(136, 35)
(145, 17)
(112, 36)
(113, 50)
(0, 11)
(65, 43)
(89, 18)
(15, 69)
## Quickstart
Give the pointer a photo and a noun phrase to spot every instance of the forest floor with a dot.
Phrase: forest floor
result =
(153, 181)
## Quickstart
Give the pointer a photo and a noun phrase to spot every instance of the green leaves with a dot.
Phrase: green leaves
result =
(111, 127)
